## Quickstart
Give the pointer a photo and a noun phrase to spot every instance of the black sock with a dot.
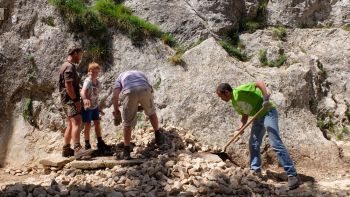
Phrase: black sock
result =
(87, 141)
(77, 145)
(99, 139)
(66, 146)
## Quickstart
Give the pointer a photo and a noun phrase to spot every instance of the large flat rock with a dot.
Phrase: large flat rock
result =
(55, 161)
(103, 163)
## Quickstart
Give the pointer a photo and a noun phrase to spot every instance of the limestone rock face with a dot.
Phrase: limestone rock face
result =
(306, 13)
(190, 20)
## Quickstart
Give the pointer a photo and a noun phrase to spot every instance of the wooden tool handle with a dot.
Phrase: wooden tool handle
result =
(242, 129)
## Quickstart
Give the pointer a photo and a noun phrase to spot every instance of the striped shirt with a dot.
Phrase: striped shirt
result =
(131, 79)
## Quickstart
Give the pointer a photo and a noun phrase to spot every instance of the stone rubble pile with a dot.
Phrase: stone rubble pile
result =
(176, 170)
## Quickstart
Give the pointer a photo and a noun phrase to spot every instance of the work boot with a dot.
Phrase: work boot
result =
(293, 182)
(159, 136)
(126, 153)
(67, 151)
(257, 173)
(87, 146)
(103, 147)
(80, 153)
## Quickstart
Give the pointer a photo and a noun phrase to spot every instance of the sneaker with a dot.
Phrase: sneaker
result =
(126, 153)
(159, 137)
(67, 152)
(103, 147)
(87, 146)
(80, 153)
(293, 182)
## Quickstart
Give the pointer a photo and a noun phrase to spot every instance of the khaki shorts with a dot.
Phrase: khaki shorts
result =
(70, 110)
(130, 102)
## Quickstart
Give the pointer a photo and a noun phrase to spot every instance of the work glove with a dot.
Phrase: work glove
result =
(266, 101)
(117, 118)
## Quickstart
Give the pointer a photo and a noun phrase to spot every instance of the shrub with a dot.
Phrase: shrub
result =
(233, 51)
(279, 32)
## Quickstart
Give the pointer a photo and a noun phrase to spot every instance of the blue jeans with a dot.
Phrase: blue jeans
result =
(270, 122)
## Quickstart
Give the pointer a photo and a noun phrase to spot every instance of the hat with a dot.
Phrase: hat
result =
(73, 47)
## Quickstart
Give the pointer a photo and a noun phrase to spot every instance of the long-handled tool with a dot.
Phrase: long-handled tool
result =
(241, 130)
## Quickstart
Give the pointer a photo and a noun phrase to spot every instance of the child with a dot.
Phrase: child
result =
(89, 94)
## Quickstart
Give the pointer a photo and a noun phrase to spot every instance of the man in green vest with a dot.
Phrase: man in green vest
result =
(247, 100)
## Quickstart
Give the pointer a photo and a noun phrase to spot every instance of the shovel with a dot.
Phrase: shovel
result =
(240, 131)
(223, 155)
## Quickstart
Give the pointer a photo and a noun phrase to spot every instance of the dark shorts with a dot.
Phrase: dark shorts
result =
(70, 110)
(90, 114)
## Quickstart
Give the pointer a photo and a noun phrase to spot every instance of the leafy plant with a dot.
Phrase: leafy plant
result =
(27, 111)
(233, 51)
(279, 32)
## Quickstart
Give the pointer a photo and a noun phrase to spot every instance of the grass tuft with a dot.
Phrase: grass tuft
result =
(280, 33)
(233, 51)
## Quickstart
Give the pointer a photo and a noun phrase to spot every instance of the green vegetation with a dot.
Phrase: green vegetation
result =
(279, 32)
(94, 20)
(31, 59)
(234, 51)
(273, 63)
(251, 25)
(177, 58)
(97, 51)
(322, 71)
(27, 111)
(50, 21)
(346, 27)
(180, 50)
(169, 39)
(347, 113)
(340, 134)
(157, 84)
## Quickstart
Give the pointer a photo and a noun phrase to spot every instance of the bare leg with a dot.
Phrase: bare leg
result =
(68, 132)
(76, 121)
(154, 121)
(97, 128)
(127, 135)
(87, 128)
